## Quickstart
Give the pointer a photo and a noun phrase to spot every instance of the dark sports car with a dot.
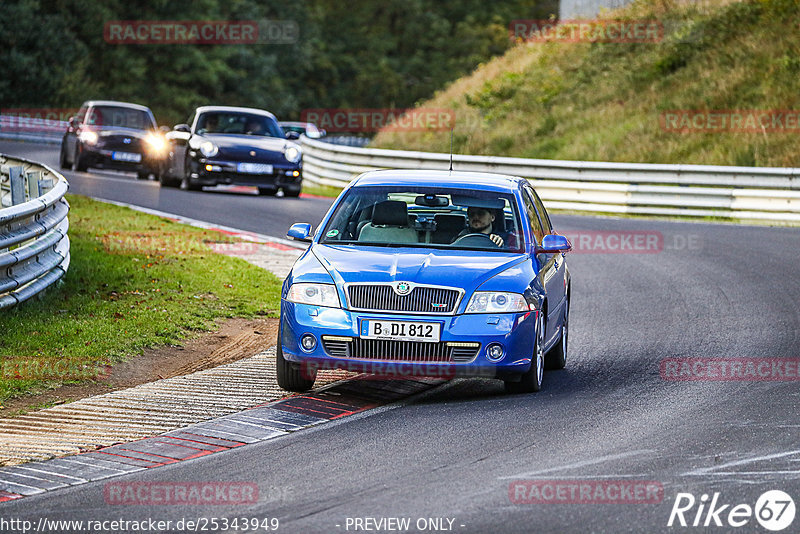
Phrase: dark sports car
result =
(113, 135)
(231, 145)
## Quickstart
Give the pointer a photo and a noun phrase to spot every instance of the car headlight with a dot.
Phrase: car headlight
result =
(208, 149)
(292, 154)
(156, 143)
(89, 137)
(497, 302)
(314, 294)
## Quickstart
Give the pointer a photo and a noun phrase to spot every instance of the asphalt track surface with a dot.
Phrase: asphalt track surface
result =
(711, 290)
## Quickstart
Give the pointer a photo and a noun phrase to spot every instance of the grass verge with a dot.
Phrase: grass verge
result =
(134, 281)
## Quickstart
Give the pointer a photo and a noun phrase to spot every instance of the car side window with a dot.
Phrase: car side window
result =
(536, 226)
(543, 216)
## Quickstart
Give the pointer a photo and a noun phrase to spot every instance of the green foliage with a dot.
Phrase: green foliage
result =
(134, 281)
(358, 53)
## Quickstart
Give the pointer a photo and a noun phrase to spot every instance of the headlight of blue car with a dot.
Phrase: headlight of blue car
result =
(497, 302)
(314, 294)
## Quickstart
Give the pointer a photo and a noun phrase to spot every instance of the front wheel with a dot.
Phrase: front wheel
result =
(290, 376)
(531, 382)
(62, 157)
(79, 163)
(143, 175)
(291, 192)
(267, 191)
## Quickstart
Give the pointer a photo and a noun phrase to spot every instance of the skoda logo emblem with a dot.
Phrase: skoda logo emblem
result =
(402, 288)
(127, 140)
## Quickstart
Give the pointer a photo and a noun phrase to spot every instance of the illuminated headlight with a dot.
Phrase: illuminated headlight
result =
(314, 294)
(208, 149)
(88, 137)
(497, 302)
(156, 143)
(292, 154)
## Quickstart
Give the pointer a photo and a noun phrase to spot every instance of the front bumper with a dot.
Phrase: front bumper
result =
(103, 158)
(210, 171)
(513, 331)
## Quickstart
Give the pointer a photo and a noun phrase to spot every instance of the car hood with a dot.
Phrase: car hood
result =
(465, 269)
(237, 142)
(119, 132)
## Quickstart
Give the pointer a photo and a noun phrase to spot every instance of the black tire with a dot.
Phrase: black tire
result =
(292, 193)
(531, 382)
(290, 376)
(556, 358)
(143, 175)
(187, 185)
(267, 191)
(79, 163)
(62, 157)
(167, 181)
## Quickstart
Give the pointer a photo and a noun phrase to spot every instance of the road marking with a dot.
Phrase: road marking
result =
(582, 463)
(710, 470)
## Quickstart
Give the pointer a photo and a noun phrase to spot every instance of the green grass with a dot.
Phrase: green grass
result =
(603, 101)
(134, 281)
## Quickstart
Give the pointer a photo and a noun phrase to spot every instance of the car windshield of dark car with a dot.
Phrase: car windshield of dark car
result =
(234, 123)
(119, 117)
(430, 217)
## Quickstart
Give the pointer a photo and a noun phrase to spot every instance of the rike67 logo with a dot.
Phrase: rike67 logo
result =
(774, 510)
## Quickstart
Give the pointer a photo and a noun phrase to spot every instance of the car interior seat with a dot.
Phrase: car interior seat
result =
(448, 226)
(389, 224)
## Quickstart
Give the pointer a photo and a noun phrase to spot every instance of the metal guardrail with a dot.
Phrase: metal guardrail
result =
(32, 129)
(34, 247)
(753, 193)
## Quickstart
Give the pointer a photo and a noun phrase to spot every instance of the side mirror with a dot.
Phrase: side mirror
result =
(292, 135)
(73, 121)
(164, 129)
(554, 243)
(182, 128)
(300, 232)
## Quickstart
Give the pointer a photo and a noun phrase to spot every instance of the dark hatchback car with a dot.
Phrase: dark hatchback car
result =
(113, 135)
(231, 145)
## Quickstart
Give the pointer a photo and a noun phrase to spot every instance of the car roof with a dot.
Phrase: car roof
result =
(92, 103)
(474, 180)
(296, 123)
(204, 109)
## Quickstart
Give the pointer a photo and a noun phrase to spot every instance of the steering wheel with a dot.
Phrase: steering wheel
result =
(475, 239)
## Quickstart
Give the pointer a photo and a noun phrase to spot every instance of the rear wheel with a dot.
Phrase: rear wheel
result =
(531, 382)
(290, 376)
(557, 357)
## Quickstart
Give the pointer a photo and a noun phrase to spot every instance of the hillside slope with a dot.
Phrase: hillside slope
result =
(607, 101)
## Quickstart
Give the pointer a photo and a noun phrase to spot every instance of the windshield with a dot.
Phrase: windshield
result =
(120, 117)
(226, 122)
(434, 217)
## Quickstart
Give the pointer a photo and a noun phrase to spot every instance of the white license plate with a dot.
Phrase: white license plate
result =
(401, 330)
(254, 168)
(126, 156)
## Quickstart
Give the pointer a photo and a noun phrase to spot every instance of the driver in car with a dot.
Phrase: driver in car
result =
(481, 221)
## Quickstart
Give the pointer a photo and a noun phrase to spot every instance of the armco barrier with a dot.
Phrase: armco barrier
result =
(34, 247)
(761, 193)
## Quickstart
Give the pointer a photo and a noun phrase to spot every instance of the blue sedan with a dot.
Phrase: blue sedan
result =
(428, 273)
